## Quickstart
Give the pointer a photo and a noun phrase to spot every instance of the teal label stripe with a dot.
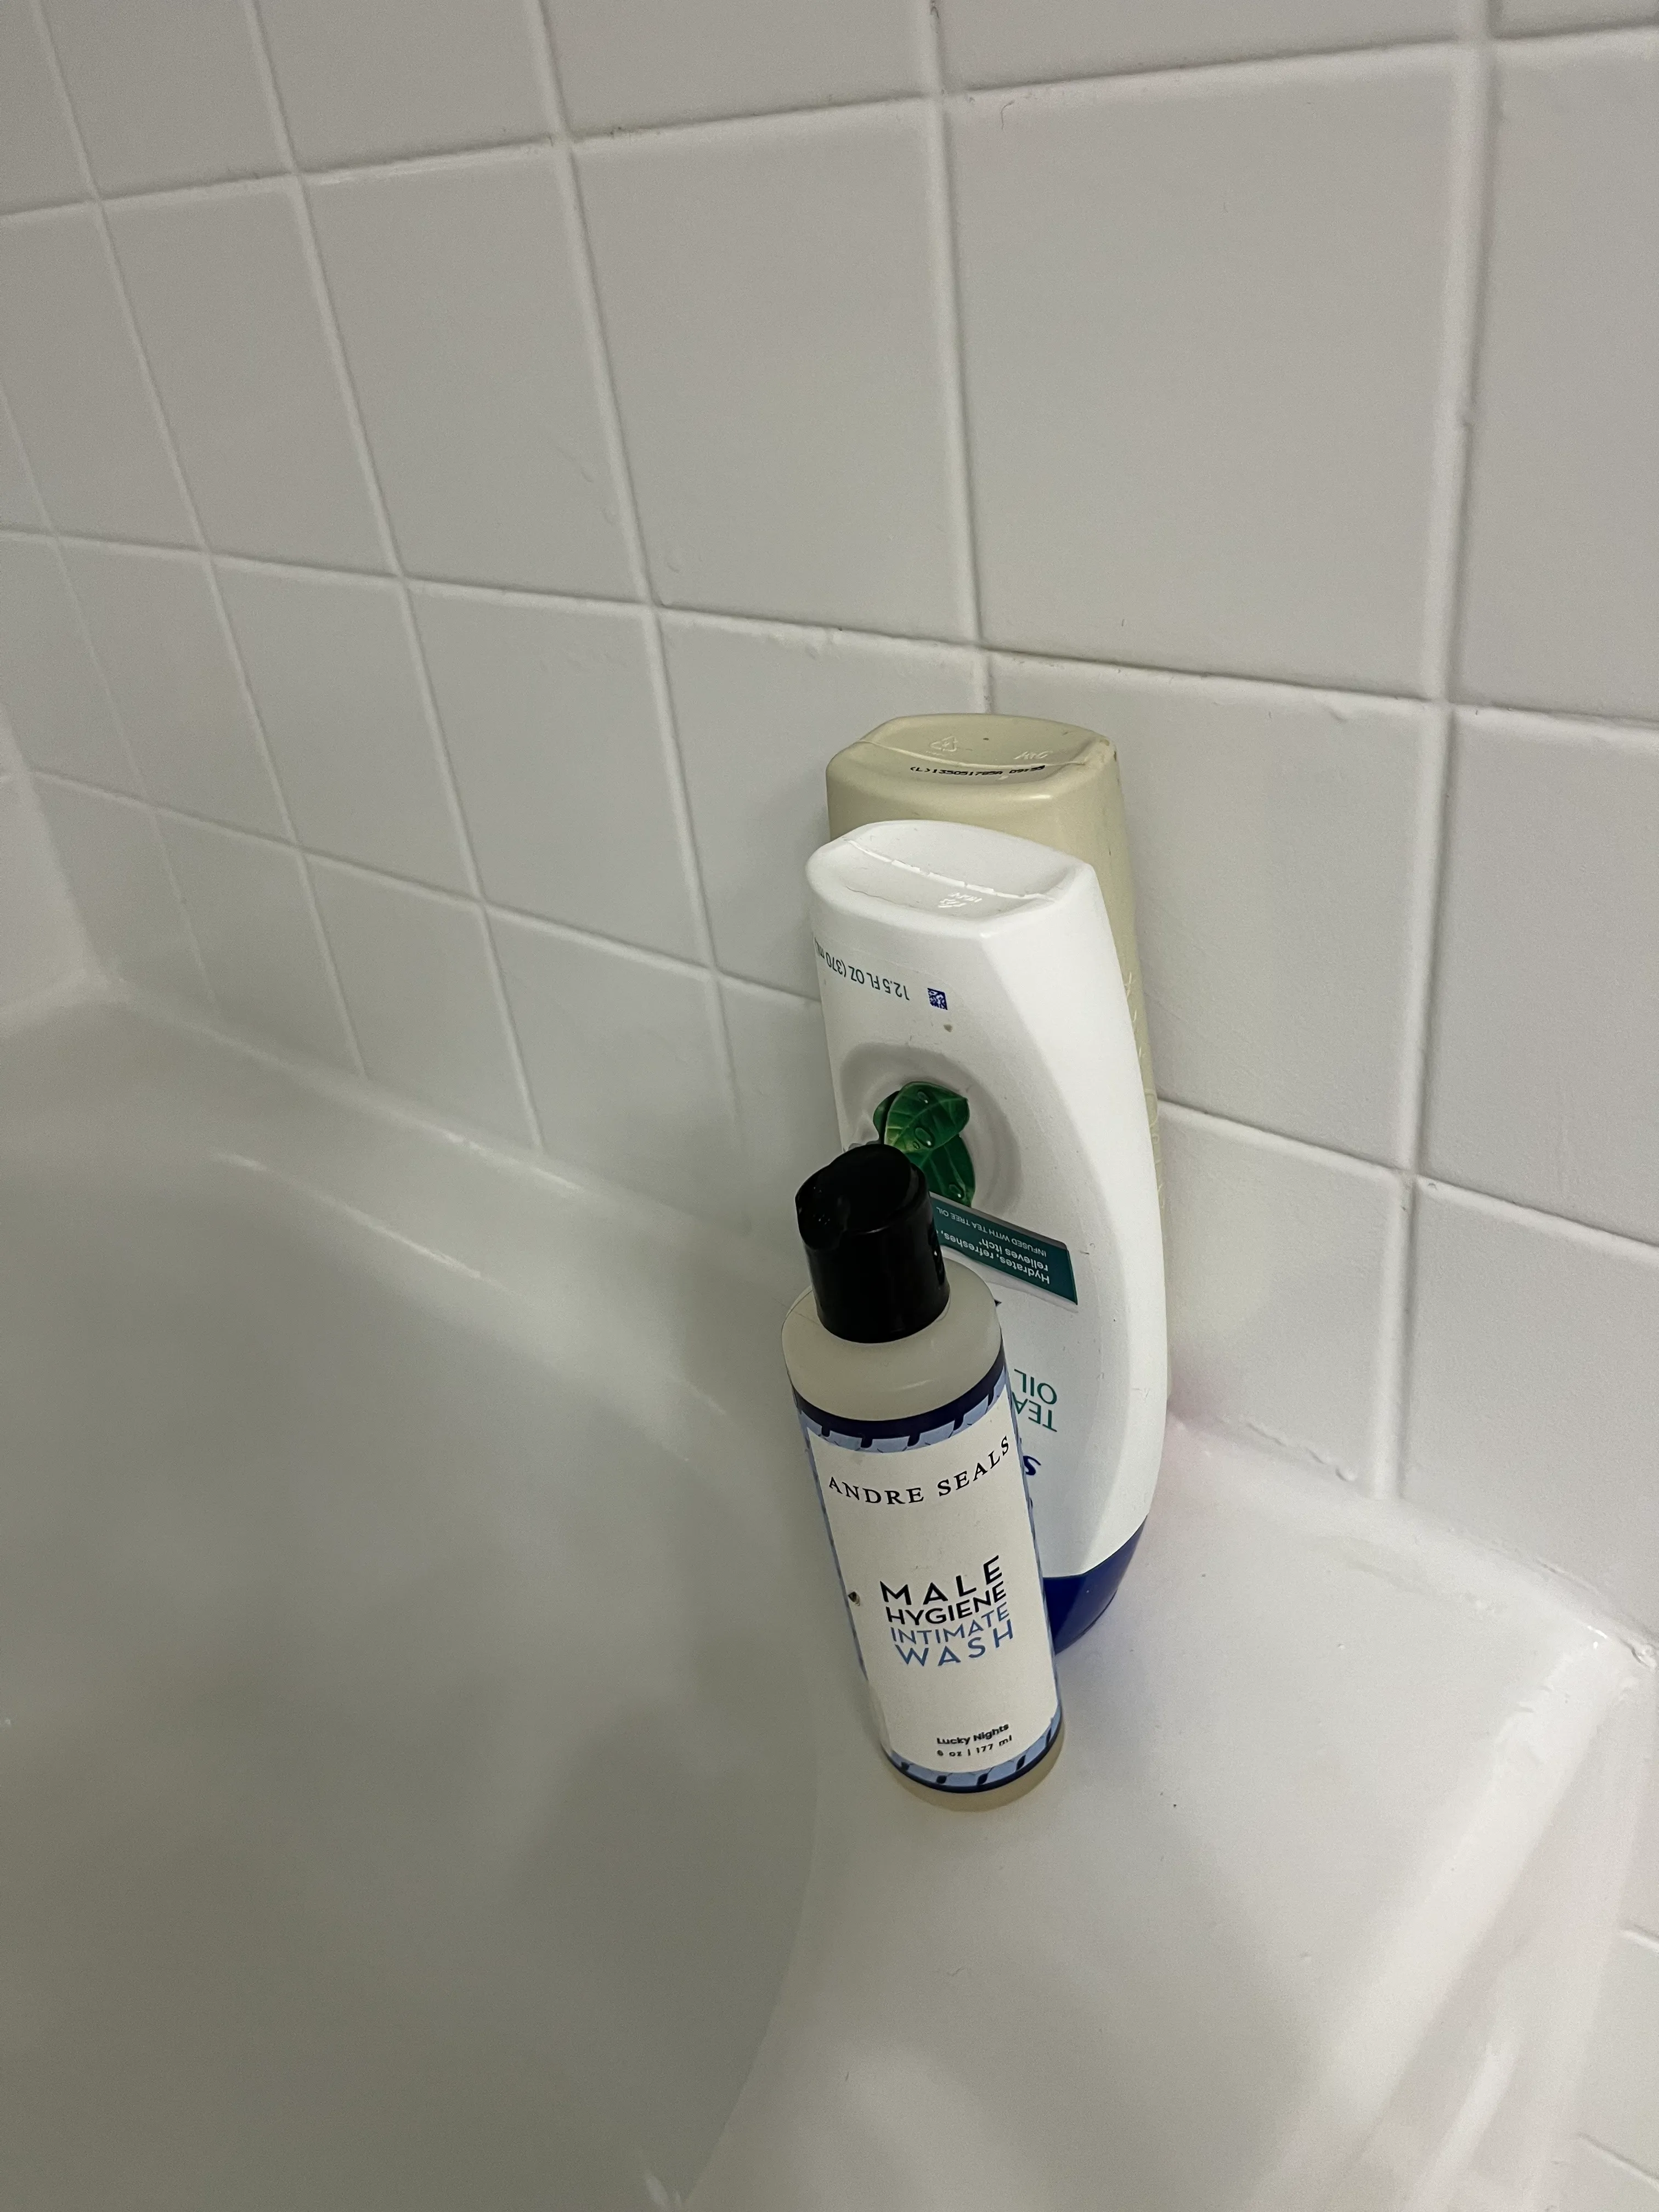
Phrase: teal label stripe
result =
(1019, 1253)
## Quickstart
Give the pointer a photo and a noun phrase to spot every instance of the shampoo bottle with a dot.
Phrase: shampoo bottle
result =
(979, 1023)
(901, 1387)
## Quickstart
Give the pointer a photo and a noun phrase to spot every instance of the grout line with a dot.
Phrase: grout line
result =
(540, 24)
(1469, 202)
(1431, 859)
(1620, 1242)
(1272, 66)
(495, 154)
(952, 366)
(1572, 721)
(1382, 1477)
(1469, 206)
(574, 933)
(436, 734)
(1258, 1132)
(780, 122)
(1611, 37)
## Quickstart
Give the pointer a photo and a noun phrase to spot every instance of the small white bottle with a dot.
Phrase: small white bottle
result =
(899, 1376)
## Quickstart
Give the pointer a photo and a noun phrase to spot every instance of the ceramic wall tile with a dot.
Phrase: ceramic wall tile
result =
(166, 91)
(1534, 1393)
(560, 757)
(38, 164)
(363, 79)
(1563, 557)
(77, 385)
(1523, 15)
(987, 43)
(1202, 331)
(418, 977)
(112, 855)
(233, 327)
(624, 1055)
(773, 302)
(253, 922)
(463, 322)
(162, 645)
(333, 667)
(20, 509)
(1545, 1075)
(656, 60)
(1279, 844)
(1279, 1261)
(50, 685)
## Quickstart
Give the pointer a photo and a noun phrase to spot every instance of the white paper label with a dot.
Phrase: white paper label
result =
(932, 1535)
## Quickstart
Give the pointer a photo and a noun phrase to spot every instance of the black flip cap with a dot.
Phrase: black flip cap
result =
(867, 1222)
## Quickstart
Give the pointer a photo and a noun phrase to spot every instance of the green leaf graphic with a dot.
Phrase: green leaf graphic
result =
(925, 1122)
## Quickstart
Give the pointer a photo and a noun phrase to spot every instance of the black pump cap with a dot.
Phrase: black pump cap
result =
(867, 1222)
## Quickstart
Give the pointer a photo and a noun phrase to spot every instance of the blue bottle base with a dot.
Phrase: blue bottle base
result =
(1075, 1603)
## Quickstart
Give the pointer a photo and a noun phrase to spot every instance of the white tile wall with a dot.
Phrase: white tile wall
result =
(362, 79)
(1280, 1263)
(1278, 841)
(41, 945)
(1535, 1391)
(76, 384)
(335, 672)
(477, 376)
(38, 163)
(1564, 546)
(569, 432)
(1543, 1088)
(162, 642)
(629, 62)
(233, 326)
(118, 872)
(987, 42)
(166, 91)
(555, 729)
(420, 985)
(773, 305)
(1520, 15)
(1202, 320)
(625, 1064)
(251, 911)
(20, 504)
(50, 685)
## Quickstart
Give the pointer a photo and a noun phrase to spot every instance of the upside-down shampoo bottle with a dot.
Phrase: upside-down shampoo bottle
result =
(896, 1360)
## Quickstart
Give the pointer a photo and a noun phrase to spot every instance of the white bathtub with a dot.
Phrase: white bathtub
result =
(434, 1772)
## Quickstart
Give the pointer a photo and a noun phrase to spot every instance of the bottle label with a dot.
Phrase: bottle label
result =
(932, 1530)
